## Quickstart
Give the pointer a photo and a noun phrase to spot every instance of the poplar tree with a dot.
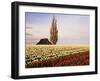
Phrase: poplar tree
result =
(53, 31)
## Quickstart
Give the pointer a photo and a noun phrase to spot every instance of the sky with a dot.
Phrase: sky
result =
(72, 28)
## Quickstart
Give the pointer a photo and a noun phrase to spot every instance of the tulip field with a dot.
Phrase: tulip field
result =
(56, 55)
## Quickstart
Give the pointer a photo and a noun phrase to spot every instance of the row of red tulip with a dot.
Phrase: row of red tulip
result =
(69, 60)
